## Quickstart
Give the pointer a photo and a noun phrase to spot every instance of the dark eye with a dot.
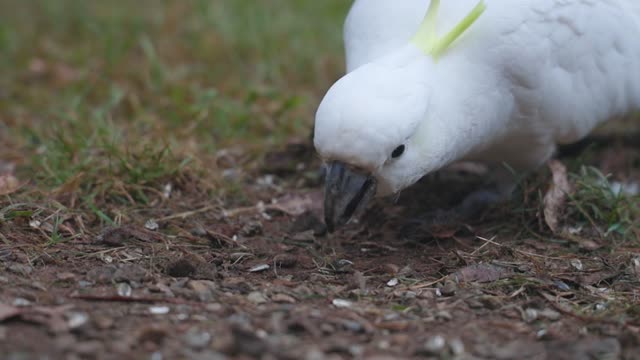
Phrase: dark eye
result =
(397, 152)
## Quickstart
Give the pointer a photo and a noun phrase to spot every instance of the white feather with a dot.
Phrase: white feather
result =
(528, 75)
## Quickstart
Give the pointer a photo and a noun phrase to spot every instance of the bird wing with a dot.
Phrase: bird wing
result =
(573, 64)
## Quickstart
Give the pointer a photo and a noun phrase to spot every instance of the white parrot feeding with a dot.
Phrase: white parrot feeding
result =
(501, 82)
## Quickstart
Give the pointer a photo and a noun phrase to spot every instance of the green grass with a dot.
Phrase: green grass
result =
(598, 203)
(109, 98)
(103, 102)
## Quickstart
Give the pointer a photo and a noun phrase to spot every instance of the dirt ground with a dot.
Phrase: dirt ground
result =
(198, 278)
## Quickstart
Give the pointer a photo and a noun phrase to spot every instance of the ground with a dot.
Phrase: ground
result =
(160, 198)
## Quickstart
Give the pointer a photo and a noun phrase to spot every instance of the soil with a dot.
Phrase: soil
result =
(188, 279)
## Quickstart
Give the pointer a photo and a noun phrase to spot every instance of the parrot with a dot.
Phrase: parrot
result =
(498, 82)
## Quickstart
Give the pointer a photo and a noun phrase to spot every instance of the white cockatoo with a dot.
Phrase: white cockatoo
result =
(501, 82)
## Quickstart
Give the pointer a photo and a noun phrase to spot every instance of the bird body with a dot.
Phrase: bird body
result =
(526, 76)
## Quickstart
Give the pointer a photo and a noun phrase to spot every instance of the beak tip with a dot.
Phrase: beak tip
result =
(346, 194)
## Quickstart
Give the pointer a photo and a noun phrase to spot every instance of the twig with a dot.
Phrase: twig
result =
(429, 284)
(521, 252)
(187, 214)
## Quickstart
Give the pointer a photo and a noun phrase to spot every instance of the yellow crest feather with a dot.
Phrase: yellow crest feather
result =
(427, 39)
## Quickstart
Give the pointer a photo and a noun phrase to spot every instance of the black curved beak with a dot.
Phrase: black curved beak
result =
(346, 194)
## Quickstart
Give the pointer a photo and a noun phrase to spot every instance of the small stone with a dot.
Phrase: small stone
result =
(530, 315)
(124, 290)
(166, 190)
(444, 315)
(577, 264)
(341, 303)
(35, 224)
(353, 326)
(159, 310)
(457, 347)
(408, 295)
(435, 345)
(197, 339)
(257, 297)
(393, 282)
(152, 225)
(77, 320)
(542, 334)
(259, 268)
(21, 302)
(550, 314)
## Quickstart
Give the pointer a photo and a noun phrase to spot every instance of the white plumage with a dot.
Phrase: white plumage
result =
(526, 76)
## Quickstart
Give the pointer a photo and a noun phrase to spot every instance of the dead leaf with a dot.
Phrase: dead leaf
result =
(481, 273)
(8, 184)
(556, 197)
(298, 204)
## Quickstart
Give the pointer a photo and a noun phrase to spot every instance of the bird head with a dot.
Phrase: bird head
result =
(366, 125)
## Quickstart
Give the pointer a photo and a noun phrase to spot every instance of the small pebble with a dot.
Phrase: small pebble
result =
(21, 302)
(197, 339)
(152, 225)
(444, 315)
(600, 307)
(259, 268)
(341, 303)
(457, 347)
(124, 290)
(530, 315)
(577, 264)
(550, 314)
(257, 297)
(76, 320)
(159, 310)
(541, 334)
(435, 345)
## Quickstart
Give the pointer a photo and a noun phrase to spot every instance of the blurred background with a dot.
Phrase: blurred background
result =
(171, 81)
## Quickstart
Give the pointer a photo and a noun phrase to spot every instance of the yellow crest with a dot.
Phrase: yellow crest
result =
(427, 39)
